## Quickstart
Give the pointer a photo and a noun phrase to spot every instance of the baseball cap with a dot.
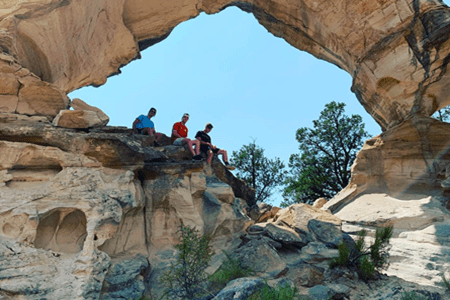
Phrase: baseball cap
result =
(209, 125)
(186, 115)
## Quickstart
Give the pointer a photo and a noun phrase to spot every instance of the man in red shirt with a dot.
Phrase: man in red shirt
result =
(179, 137)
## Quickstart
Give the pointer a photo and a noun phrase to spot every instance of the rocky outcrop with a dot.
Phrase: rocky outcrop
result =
(83, 116)
(395, 50)
(76, 225)
(94, 214)
(399, 179)
(22, 92)
(82, 202)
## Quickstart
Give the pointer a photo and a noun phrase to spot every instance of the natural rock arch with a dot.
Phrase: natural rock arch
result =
(396, 51)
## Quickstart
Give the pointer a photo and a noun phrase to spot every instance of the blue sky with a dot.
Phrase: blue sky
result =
(228, 70)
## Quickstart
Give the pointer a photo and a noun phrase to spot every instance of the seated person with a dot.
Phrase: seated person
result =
(179, 137)
(209, 149)
(144, 125)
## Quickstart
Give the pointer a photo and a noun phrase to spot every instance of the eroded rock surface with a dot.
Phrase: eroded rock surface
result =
(76, 225)
(395, 50)
(80, 206)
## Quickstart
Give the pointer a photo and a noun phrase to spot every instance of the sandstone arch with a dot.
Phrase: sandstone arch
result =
(397, 52)
(77, 43)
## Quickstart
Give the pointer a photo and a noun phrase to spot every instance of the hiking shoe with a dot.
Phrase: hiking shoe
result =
(230, 167)
(197, 157)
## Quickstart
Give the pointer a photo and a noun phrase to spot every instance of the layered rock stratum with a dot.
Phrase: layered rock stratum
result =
(90, 211)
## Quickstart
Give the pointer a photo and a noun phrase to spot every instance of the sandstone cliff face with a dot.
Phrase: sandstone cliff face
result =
(81, 208)
(71, 220)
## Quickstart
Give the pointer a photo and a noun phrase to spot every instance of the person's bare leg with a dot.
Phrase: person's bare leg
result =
(189, 143)
(197, 146)
(224, 155)
(209, 157)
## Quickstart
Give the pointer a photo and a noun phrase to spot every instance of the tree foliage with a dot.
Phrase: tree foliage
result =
(442, 115)
(186, 277)
(327, 151)
(258, 171)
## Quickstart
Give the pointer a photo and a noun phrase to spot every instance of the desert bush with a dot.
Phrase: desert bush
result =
(230, 269)
(365, 259)
(186, 277)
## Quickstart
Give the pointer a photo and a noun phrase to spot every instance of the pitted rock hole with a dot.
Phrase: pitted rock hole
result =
(62, 231)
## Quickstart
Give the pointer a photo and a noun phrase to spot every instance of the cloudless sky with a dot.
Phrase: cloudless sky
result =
(228, 70)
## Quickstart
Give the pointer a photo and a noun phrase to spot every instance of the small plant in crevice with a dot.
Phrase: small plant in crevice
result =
(230, 269)
(186, 277)
(445, 283)
(366, 260)
(284, 292)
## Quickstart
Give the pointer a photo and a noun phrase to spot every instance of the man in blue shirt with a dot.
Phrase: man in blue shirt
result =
(144, 125)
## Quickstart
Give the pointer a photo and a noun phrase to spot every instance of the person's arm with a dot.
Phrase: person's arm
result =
(134, 124)
(204, 143)
(175, 132)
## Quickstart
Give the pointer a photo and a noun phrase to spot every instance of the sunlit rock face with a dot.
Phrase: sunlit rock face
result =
(396, 51)
(77, 225)
(401, 179)
(81, 206)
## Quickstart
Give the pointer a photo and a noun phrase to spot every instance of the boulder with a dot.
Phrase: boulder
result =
(240, 289)
(315, 253)
(40, 98)
(78, 104)
(319, 203)
(314, 223)
(260, 257)
(78, 119)
(262, 212)
(281, 234)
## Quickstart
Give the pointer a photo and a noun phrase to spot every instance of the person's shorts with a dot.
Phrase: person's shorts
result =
(178, 142)
(141, 131)
(213, 150)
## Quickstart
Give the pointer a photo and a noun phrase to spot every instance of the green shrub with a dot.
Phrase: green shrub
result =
(186, 277)
(285, 292)
(445, 283)
(366, 260)
(230, 269)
